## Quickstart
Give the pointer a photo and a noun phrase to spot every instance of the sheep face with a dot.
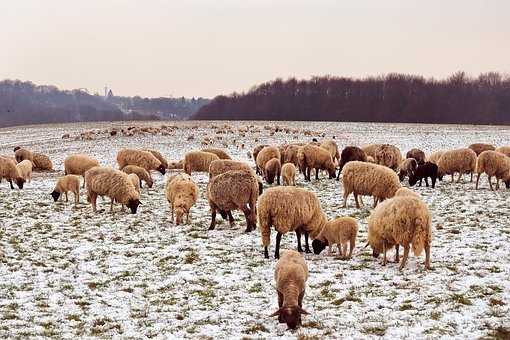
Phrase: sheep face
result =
(17, 148)
(179, 215)
(19, 182)
(291, 315)
(331, 170)
(319, 245)
(133, 205)
(162, 169)
(55, 195)
(261, 188)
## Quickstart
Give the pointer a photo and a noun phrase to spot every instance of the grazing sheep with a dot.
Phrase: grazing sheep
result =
(388, 155)
(495, 164)
(104, 181)
(370, 149)
(505, 150)
(135, 180)
(264, 156)
(218, 152)
(428, 169)
(143, 159)
(289, 174)
(363, 178)
(289, 209)
(290, 155)
(400, 221)
(42, 162)
(142, 174)
(234, 190)
(331, 146)
(351, 153)
(198, 161)
(256, 151)
(406, 192)
(340, 231)
(21, 154)
(291, 273)
(314, 157)
(78, 164)
(159, 156)
(273, 169)
(462, 161)
(223, 165)
(434, 157)
(181, 193)
(25, 170)
(417, 154)
(64, 185)
(478, 148)
(407, 168)
(10, 172)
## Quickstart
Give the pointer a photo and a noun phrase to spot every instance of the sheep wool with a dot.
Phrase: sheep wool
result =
(434, 157)
(331, 146)
(221, 166)
(370, 149)
(42, 162)
(417, 154)
(222, 154)
(388, 155)
(159, 156)
(504, 150)
(135, 180)
(265, 155)
(181, 193)
(478, 148)
(25, 170)
(289, 174)
(198, 161)
(22, 154)
(495, 164)
(462, 161)
(406, 192)
(314, 157)
(68, 183)
(143, 159)
(273, 169)
(78, 164)
(142, 174)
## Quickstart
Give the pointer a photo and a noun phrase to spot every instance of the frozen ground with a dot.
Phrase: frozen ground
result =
(66, 272)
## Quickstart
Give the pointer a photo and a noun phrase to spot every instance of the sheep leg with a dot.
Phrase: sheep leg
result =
(397, 257)
(307, 247)
(67, 198)
(172, 210)
(213, 219)
(230, 218)
(356, 200)
(93, 201)
(384, 254)
(471, 177)
(351, 246)
(111, 206)
(376, 199)
(433, 182)
(247, 213)
(77, 196)
(490, 183)
(12, 186)
(497, 183)
(477, 180)
(298, 238)
(427, 256)
(404, 259)
(346, 194)
(344, 250)
(453, 179)
(460, 176)
(300, 299)
(316, 174)
(329, 249)
(420, 182)
(426, 182)
(278, 178)
(277, 251)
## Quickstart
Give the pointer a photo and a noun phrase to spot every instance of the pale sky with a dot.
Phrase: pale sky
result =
(205, 48)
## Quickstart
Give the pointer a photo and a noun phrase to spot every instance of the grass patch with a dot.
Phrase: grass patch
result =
(376, 330)
(461, 299)
(191, 257)
(256, 328)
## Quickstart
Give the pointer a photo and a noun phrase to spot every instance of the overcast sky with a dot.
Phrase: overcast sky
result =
(204, 48)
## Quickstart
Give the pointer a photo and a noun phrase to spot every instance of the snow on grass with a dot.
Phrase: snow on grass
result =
(67, 272)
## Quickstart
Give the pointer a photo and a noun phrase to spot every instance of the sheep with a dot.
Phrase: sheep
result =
(417, 154)
(21, 154)
(388, 155)
(434, 157)
(42, 162)
(78, 164)
(142, 174)
(478, 148)
(406, 192)
(255, 152)
(264, 156)
(159, 156)
(314, 157)
(495, 164)
(370, 149)
(290, 155)
(462, 161)
(143, 159)
(289, 209)
(340, 231)
(10, 172)
(64, 185)
(198, 161)
(218, 152)
(291, 274)
(332, 148)
(289, 174)
(428, 169)
(407, 168)
(135, 180)
(234, 190)
(221, 166)
(363, 178)
(181, 193)
(350, 153)
(505, 150)
(104, 181)
(25, 170)
(400, 221)
(273, 169)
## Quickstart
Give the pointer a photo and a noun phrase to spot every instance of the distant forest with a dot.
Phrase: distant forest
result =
(391, 98)
(26, 103)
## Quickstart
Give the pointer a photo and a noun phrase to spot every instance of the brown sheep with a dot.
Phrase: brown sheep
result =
(478, 148)
(314, 157)
(417, 154)
(78, 164)
(218, 152)
(273, 169)
(349, 154)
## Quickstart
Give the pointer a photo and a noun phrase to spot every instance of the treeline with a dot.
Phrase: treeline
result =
(392, 98)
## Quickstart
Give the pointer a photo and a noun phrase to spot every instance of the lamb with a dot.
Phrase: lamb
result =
(104, 181)
(142, 174)
(273, 169)
(64, 185)
(10, 172)
(182, 193)
(21, 154)
(289, 209)
(478, 148)
(25, 170)
(428, 169)
(406, 192)
(496, 164)
(291, 273)
(314, 157)
(234, 190)
(42, 162)
(264, 156)
(331, 146)
(417, 154)
(289, 174)
(462, 161)
(218, 152)
(363, 178)
(400, 221)
(434, 157)
(407, 168)
(198, 161)
(78, 164)
(159, 156)
(370, 149)
(388, 155)
(340, 231)
(505, 150)
(351, 153)
(143, 159)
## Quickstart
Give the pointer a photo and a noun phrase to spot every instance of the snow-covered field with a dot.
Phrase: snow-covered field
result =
(67, 272)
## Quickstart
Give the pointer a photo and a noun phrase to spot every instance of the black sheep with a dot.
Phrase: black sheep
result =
(424, 171)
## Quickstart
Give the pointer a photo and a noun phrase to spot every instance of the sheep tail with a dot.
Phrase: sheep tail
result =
(420, 236)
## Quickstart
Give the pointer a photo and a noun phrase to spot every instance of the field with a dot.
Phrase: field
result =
(67, 272)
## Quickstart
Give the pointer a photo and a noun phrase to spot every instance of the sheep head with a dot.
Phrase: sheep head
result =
(19, 182)
(319, 245)
(291, 315)
(133, 205)
(55, 195)
(161, 168)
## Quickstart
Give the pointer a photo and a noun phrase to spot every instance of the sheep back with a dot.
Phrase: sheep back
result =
(198, 161)
(78, 164)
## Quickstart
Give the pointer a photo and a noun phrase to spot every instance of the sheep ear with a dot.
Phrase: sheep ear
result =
(302, 311)
(275, 313)
(140, 203)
